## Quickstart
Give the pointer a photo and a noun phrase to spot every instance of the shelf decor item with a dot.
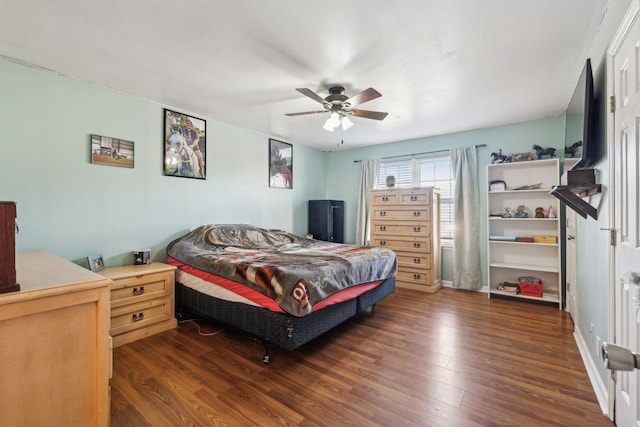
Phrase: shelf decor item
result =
(530, 286)
(497, 185)
(521, 157)
(142, 257)
(95, 263)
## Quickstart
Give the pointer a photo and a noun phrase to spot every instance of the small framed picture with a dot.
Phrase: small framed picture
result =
(280, 164)
(95, 263)
(109, 151)
(185, 142)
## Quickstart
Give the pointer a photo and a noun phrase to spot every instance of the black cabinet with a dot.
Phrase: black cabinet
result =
(326, 220)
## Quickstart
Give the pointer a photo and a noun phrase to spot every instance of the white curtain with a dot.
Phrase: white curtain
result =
(466, 220)
(368, 177)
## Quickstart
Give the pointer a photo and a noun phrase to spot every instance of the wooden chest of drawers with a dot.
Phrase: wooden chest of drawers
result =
(407, 221)
(142, 301)
(55, 356)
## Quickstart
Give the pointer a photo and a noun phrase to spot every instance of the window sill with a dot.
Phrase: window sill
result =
(446, 243)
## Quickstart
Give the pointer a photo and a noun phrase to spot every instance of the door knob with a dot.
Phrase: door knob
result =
(619, 358)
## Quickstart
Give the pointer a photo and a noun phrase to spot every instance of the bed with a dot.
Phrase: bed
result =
(280, 288)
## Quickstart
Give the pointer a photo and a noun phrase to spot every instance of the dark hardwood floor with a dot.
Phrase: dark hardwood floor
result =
(453, 358)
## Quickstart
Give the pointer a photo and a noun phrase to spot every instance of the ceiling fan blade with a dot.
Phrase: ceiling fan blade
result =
(376, 115)
(311, 94)
(364, 96)
(306, 112)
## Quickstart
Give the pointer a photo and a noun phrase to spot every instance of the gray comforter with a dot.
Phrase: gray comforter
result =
(295, 271)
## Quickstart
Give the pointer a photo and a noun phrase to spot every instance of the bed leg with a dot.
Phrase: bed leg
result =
(266, 358)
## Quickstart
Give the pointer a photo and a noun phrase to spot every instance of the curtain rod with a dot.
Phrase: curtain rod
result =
(418, 154)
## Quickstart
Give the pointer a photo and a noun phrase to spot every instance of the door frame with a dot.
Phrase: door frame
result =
(629, 19)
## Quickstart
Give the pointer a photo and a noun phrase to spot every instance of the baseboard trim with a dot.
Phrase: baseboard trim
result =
(599, 387)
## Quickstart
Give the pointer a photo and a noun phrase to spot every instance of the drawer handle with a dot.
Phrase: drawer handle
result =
(417, 213)
(416, 276)
(414, 198)
(385, 199)
(383, 228)
(416, 245)
(416, 260)
(138, 291)
(383, 242)
(416, 229)
(136, 317)
(383, 213)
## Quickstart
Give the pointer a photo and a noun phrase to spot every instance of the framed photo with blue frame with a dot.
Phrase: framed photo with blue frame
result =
(185, 142)
(280, 164)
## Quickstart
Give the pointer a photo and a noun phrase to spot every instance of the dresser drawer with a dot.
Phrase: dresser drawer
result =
(398, 243)
(401, 229)
(401, 213)
(416, 196)
(140, 315)
(409, 276)
(418, 260)
(141, 287)
(384, 198)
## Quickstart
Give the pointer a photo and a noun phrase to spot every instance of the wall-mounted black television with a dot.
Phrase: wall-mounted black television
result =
(582, 121)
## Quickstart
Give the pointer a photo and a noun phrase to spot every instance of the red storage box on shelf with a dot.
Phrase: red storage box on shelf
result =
(530, 286)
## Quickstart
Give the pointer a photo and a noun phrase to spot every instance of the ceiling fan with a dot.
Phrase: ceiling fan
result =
(340, 106)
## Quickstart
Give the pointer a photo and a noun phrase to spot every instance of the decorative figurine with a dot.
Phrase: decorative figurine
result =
(507, 213)
(571, 150)
(551, 152)
(551, 213)
(521, 212)
(540, 213)
(499, 157)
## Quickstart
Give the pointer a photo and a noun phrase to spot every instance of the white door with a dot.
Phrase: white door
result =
(571, 260)
(624, 69)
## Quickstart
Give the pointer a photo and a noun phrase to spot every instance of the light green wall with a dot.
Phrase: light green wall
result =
(593, 243)
(73, 208)
(343, 173)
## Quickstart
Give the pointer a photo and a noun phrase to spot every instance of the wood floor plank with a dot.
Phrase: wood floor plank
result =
(454, 358)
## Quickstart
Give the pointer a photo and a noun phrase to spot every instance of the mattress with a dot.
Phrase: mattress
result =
(232, 291)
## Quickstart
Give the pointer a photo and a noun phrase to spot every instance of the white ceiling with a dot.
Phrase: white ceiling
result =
(442, 66)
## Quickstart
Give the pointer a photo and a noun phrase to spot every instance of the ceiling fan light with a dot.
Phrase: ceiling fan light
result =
(346, 123)
(328, 125)
(335, 119)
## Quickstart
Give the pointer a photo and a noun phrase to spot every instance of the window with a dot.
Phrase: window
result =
(430, 172)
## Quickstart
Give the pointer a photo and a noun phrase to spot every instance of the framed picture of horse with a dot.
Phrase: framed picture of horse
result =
(109, 151)
(185, 144)
(280, 164)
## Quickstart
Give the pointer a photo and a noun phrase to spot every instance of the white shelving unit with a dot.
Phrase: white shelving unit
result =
(510, 260)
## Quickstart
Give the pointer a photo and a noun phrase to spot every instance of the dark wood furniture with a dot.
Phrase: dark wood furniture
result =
(326, 220)
(8, 247)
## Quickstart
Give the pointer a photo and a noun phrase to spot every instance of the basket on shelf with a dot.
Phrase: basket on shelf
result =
(530, 286)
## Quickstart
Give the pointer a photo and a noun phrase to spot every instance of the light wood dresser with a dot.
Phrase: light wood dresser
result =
(55, 355)
(407, 221)
(142, 301)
